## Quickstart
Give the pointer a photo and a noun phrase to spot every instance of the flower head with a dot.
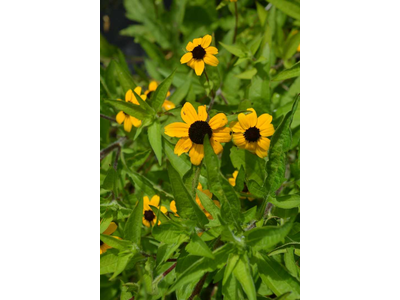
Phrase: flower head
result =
(251, 133)
(110, 230)
(167, 105)
(125, 118)
(149, 217)
(194, 130)
(200, 52)
(232, 182)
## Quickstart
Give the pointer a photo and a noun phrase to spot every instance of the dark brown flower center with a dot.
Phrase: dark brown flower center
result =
(149, 215)
(252, 134)
(101, 242)
(149, 95)
(245, 188)
(198, 52)
(198, 131)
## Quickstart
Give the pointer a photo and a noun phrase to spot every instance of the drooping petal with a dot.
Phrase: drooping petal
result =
(211, 50)
(190, 46)
(120, 117)
(127, 124)
(267, 130)
(111, 228)
(261, 152)
(188, 113)
(263, 121)
(177, 129)
(183, 146)
(153, 86)
(196, 154)
(239, 140)
(135, 122)
(218, 121)
(216, 146)
(263, 143)
(199, 67)
(211, 60)
(186, 57)
(155, 201)
(222, 135)
(202, 116)
(197, 42)
(168, 105)
(206, 41)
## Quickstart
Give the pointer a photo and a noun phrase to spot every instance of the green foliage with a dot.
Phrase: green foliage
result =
(238, 241)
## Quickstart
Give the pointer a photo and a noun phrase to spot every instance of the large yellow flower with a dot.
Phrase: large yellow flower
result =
(195, 128)
(110, 230)
(149, 217)
(167, 105)
(232, 181)
(125, 118)
(200, 52)
(251, 133)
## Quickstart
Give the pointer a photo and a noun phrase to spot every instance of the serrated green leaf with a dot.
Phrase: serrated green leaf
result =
(155, 139)
(160, 94)
(133, 226)
(198, 247)
(294, 71)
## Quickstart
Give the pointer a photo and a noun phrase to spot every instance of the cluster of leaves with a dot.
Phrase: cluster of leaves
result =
(249, 249)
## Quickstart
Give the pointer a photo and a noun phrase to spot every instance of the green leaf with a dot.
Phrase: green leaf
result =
(133, 226)
(143, 104)
(123, 260)
(185, 204)
(155, 139)
(198, 247)
(109, 181)
(249, 74)
(105, 223)
(259, 91)
(291, 45)
(168, 232)
(233, 49)
(124, 77)
(290, 262)
(252, 164)
(114, 242)
(181, 92)
(220, 187)
(129, 108)
(294, 71)
(265, 238)
(108, 262)
(262, 13)
(230, 266)
(274, 275)
(208, 204)
(291, 8)
(230, 289)
(286, 202)
(243, 274)
(180, 163)
(160, 94)
(239, 183)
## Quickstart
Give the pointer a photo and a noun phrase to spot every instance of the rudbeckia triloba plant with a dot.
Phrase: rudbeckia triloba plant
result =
(200, 160)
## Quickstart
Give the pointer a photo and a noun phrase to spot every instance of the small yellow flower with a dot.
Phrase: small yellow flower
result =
(167, 105)
(200, 52)
(110, 230)
(251, 133)
(125, 118)
(195, 128)
(209, 195)
(232, 181)
(172, 207)
(149, 217)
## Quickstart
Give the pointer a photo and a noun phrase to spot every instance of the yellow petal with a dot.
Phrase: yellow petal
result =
(135, 122)
(146, 201)
(183, 146)
(199, 67)
(153, 86)
(211, 60)
(238, 128)
(263, 121)
(206, 41)
(261, 152)
(263, 143)
(197, 42)
(163, 209)
(268, 130)
(188, 113)
(111, 228)
(177, 129)
(168, 105)
(251, 146)
(222, 135)
(120, 117)
(202, 113)
(199, 186)
(235, 174)
(191, 63)
(155, 201)
(172, 206)
(216, 146)
(127, 124)
(247, 121)
(196, 154)
(138, 90)
(186, 57)
(145, 222)
(211, 50)
(239, 140)
(129, 96)
(190, 46)
(218, 121)
(232, 181)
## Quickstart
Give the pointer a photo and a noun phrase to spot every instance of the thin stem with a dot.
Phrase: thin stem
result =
(219, 93)
(236, 22)
(110, 148)
(169, 270)
(195, 181)
(198, 287)
(108, 118)
(117, 158)
(212, 94)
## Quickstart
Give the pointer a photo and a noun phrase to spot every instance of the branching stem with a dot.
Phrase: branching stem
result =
(118, 144)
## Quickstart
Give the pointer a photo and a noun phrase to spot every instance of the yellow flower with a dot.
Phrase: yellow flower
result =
(232, 181)
(172, 207)
(251, 133)
(110, 230)
(209, 195)
(149, 217)
(200, 52)
(167, 105)
(195, 128)
(233, 0)
(125, 118)
(298, 48)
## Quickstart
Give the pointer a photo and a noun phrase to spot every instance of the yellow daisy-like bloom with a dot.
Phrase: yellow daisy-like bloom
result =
(195, 128)
(125, 118)
(232, 181)
(209, 195)
(167, 105)
(251, 133)
(149, 217)
(110, 230)
(172, 207)
(200, 52)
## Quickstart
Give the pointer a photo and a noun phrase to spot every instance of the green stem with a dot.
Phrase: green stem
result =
(236, 22)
